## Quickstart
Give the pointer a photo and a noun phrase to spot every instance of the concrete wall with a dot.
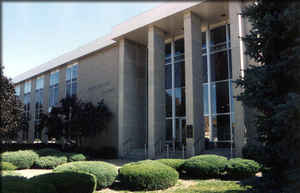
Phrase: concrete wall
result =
(98, 79)
(132, 95)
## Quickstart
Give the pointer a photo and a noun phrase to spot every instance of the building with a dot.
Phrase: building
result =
(165, 70)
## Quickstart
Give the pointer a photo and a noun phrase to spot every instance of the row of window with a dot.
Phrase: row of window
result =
(71, 89)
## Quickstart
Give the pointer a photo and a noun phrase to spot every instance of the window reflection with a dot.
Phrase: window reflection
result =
(180, 101)
(168, 103)
(221, 127)
(220, 97)
(219, 66)
(179, 74)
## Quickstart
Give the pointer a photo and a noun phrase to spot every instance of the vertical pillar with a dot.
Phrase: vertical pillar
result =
(156, 88)
(238, 64)
(128, 94)
(193, 81)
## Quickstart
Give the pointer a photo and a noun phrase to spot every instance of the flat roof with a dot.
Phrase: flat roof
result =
(162, 11)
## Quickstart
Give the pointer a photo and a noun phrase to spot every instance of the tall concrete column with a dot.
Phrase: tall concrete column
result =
(156, 88)
(239, 63)
(193, 81)
(131, 112)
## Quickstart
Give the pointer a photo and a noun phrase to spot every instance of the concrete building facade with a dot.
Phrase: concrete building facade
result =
(167, 75)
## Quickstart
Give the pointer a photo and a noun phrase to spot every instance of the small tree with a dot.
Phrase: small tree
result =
(12, 111)
(75, 119)
(272, 87)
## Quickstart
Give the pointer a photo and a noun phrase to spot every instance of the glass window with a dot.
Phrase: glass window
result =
(27, 87)
(204, 71)
(39, 83)
(71, 80)
(203, 42)
(220, 97)
(180, 101)
(54, 82)
(17, 90)
(179, 74)
(169, 103)
(205, 99)
(221, 127)
(218, 35)
(168, 129)
(69, 73)
(168, 53)
(219, 66)
(168, 77)
(206, 126)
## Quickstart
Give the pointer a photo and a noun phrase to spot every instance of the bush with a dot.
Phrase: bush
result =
(239, 168)
(147, 175)
(200, 169)
(105, 173)
(218, 161)
(22, 159)
(76, 157)
(50, 162)
(253, 152)
(12, 183)
(7, 166)
(68, 182)
(173, 163)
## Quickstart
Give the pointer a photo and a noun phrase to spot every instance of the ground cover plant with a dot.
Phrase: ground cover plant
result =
(105, 173)
(7, 166)
(147, 175)
(22, 159)
(238, 168)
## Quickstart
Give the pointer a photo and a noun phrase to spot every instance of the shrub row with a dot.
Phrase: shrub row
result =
(213, 166)
(105, 173)
(67, 182)
(44, 158)
(147, 175)
(7, 166)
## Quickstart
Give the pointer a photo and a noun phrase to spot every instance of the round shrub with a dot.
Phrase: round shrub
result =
(22, 159)
(173, 163)
(76, 157)
(197, 168)
(67, 182)
(7, 166)
(50, 162)
(216, 160)
(105, 173)
(147, 175)
(239, 168)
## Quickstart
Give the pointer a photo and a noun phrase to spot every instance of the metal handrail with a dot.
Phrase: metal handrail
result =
(158, 142)
(126, 145)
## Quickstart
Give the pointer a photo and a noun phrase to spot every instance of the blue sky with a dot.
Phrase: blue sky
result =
(34, 33)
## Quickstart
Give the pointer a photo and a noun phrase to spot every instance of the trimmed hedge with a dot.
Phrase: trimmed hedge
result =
(50, 162)
(7, 166)
(147, 175)
(76, 157)
(22, 159)
(105, 173)
(68, 182)
(219, 161)
(239, 168)
(173, 163)
(18, 184)
(199, 169)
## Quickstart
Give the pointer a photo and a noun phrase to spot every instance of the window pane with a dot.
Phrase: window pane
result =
(179, 74)
(68, 89)
(168, 77)
(180, 101)
(68, 73)
(221, 125)
(168, 53)
(206, 126)
(220, 97)
(218, 35)
(203, 40)
(204, 71)
(205, 99)
(74, 88)
(168, 129)
(179, 50)
(219, 66)
(168, 103)
(74, 71)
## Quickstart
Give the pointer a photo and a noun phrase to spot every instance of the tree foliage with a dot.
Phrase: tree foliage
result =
(272, 86)
(73, 118)
(12, 111)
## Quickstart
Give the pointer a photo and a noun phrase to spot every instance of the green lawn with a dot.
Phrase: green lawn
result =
(195, 186)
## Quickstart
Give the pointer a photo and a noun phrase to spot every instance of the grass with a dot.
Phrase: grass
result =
(195, 186)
